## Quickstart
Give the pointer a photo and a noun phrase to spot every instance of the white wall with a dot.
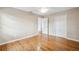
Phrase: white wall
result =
(73, 24)
(17, 23)
(40, 24)
(65, 24)
(0, 26)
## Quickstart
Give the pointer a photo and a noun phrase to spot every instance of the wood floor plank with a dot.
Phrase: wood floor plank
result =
(47, 43)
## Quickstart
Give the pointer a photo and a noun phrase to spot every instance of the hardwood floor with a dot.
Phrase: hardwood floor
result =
(41, 43)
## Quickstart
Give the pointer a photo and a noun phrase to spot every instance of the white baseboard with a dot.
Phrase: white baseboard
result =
(67, 38)
(71, 39)
(19, 39)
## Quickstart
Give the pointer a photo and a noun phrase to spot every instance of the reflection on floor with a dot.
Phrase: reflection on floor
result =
(43, 43)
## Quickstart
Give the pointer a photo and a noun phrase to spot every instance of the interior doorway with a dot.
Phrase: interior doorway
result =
(43, 26)
(43, 29)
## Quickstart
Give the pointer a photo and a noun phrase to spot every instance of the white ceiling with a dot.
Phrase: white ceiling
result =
(36, 10)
